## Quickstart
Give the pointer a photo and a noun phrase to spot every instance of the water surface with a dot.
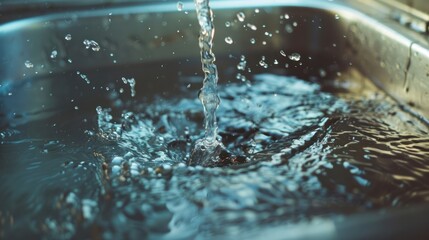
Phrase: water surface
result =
(299, 150)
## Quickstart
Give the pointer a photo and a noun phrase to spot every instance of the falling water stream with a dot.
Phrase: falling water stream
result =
(207, 149)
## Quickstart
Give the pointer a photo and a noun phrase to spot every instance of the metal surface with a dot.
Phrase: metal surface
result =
(360, 34)
(385, 50)
(420, 5)
(414, 17)
(364, 36)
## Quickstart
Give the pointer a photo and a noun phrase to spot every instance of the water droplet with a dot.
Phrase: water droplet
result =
(227, 24)
(28, 64)
(242, 64)
(288, 28)
(180, 6)
(76, 107)
(295, 24)
(283, 53)
(295, 57)
(54, 54)
(322, 73)
(91, 44)
(241, 77)
(252, 41)
(84, 77)
(262, 62)
(99, 110)
(132, 83)
(69, 60)
(229, 40)
(241, 16)
(68, 37)
(287, 16)
(337, 16)
(252, 27)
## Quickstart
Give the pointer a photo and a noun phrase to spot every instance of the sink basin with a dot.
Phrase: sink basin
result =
(66, 63)
(399, 66)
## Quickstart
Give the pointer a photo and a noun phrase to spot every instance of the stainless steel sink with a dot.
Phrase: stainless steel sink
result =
(143, 39)
(363, 36)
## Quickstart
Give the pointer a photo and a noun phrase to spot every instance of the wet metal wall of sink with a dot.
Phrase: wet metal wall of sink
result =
(347, 32)
(333, 36)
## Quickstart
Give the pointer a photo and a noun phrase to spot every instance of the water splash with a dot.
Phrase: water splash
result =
(180, 6)
(207, 149)
(132, 83)
(54, 54)
(68, 37)
(28, 64)
(84, 77)
(295, 57)
(91, 44)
